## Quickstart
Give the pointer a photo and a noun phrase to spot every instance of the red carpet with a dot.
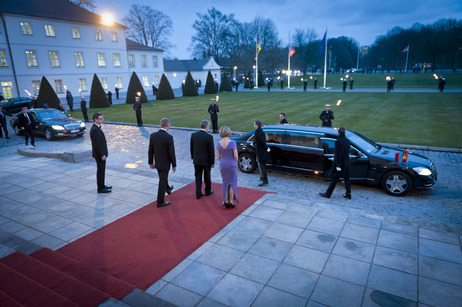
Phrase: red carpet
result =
(143, 246)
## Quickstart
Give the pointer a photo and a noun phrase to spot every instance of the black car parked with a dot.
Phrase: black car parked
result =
(15, 105)
(311, 149)
(51, 123)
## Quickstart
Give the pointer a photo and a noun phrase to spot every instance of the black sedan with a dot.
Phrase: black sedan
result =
(14, 105)
(311, 149)
(51, 123)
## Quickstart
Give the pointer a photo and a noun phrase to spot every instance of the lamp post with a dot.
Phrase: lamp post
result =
(235, 71)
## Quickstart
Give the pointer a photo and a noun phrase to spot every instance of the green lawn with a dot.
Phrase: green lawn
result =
(431, 119)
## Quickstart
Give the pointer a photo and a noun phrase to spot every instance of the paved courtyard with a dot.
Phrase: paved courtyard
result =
(288, 249)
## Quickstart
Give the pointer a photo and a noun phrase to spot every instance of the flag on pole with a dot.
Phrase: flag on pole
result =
(291, 50)
(405, 49)
(323, 42)
(258, 49)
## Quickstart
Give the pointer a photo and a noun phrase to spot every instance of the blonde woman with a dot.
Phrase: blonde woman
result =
(227, 154)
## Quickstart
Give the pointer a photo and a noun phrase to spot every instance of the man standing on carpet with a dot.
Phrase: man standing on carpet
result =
(99, 152)
(203, 155)
(162, 153)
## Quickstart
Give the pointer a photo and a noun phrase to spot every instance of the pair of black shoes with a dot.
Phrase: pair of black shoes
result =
(207, 194)
(106, 189)
(229, 205)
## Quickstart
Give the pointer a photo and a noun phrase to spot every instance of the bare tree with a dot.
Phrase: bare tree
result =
(148, 26)
(87, 4)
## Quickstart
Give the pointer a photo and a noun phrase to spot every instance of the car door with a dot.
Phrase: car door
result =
(40, 126)
(303, 150)
(275, 141)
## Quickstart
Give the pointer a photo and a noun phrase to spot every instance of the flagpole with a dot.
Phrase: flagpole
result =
(325, 61)
(407, 55)
(256, 64)
(288, 65)
(357, 59)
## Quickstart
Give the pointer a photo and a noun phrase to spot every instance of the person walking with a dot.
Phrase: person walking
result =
(227, 155)
(283, 119)
(117, 92)
(83, 107)
(327, 117)
(137, 108)
(213, 111)
(3, 124)
(109, 96)
(305, 84)
(351, 83)
(262, 149)
(341, 166)
(70, 100)
(203, 156)
(99, 152)
(27, 124)
(344, 84)
(161, 154)
(315, 83)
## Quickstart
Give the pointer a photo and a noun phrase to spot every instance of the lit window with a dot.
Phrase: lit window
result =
(59, 86)
(114, 36)
(143, 61)
(116, 60)
(7, 89)
(145, 81)
(36, 86)
(119, 82)
(104, 83)
(3, 62)
(98, 35)
(83, 85)
(31, 58)
(156, 79)
(49, 30)
(25, 28)
(101, 60)
(131, 60)
(75, 33)
(154, 60)
(54, 61)
(79, 59)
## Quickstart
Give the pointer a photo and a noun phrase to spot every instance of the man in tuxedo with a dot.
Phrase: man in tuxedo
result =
(262, 149)
(203, 155)
(3, 124)
(341, 166)
(83, 108)
(27, 124)
(162, 153)
(137, 108)
(213, 111)
(99, 152)
(327, 116)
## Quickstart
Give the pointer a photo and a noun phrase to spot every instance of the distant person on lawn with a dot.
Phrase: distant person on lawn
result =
(327, 117)
(283, 119)
(137, 108)
(83, 108)
(213, 111)
(99, 152)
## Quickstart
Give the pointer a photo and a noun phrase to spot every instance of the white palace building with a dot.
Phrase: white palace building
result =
(68, 45)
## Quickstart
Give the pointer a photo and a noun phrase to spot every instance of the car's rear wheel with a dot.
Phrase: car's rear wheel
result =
(397, 183)
(247, 163)
(48, 134)
(16, 129)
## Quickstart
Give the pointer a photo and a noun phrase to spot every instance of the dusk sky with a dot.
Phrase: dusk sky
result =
(363, 20)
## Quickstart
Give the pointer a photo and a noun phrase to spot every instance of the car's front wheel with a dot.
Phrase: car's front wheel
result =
(397, 183)
(247, 163)
(48, 134)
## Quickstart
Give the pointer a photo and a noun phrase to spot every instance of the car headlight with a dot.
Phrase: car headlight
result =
(422, 171)
(56, 127)
(82, 124)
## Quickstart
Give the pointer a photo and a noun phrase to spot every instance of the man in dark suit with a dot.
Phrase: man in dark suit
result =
(109, 96)
(117, 92)
(60, 107)
(83, 107)
(262, 152)
(27, 124)
(213, 110)
(3, 124)
(137, 108)
(34, 102)
(203, 155)
(162, 153)
(283, 119)
(99, 152)
(70, 100)
(315, 83)
(327, 117)
(341, 166)
(305, 84)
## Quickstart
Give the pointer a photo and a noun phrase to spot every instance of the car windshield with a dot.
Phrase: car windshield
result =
(363, 142)
(50, 114)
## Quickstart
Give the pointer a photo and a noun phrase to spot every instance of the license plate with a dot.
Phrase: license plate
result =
(75, 131)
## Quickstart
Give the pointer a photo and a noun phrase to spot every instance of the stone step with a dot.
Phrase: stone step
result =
(139, 298)
(15, 243)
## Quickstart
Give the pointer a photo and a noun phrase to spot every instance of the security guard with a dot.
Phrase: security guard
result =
(327, 117)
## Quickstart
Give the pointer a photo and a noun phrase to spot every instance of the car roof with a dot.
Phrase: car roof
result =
(292, 127)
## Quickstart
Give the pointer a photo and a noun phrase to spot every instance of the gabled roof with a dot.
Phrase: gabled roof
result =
(132, 45)
(189, 65)
(53, 9)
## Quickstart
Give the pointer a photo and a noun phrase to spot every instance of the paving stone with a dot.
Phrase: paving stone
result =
(70, 231)
(436, 293)
(393, 282)
(332, 215)
(198, 278)
(51, 224)
(221, 257)
(347, 269)
(177, 270)
(207, 302)
(254, 225)
(140, 298)
(28, 234)
(296, 219)
(271, 248)
(446, 237)
(269, 297)
(377, 298)
(198, 252)
(398, 241)
(266, 213)
(354, 249)
(440, 250)
(395, 259)
(12, 226)
(239, 239)
(178, 296)
(360, 233)
(284, 232)
(441, 270)
(400, 228)
(294, 280)
(156, 287)
(325, 225)
(255, 268)
(334, 292)
(5, 251)
(317, 240)
(307, 258)
(233, 290)
(364, 221)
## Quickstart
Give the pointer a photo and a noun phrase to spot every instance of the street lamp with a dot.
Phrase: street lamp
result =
(235, 69)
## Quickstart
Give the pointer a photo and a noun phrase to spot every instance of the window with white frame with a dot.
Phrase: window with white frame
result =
(79, 59)
(7, 89)
(98, 35)
(156, 79)
(54, 60)
(59, 86)
(35, 86)
(83, 85)
(31, 58)
(131, 60)
(3, 62)
(119, 82)
(145, 81)
(75, 33)
(154, 61)
(143, 61)
(116, 59)
(104, 83)
(25, 28)
(50, 30)
(101, 60)
(114, 36)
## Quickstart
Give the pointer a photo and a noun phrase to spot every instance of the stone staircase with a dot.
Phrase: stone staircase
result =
(34, 276)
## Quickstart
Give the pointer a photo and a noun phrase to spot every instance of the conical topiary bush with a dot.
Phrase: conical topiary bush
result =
(135, 89)
(210, 87)
(225, 85)
(164, 91)
(98, 98)
(261, 80)
(47, 95)
(190, 86)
